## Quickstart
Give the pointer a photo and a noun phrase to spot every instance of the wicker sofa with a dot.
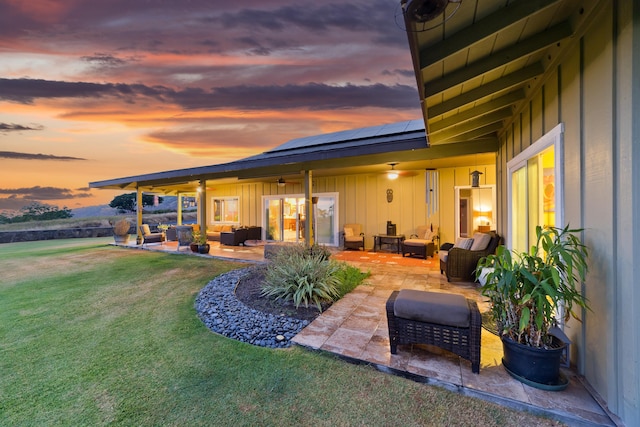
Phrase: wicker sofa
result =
(213, 231)
(459, 263)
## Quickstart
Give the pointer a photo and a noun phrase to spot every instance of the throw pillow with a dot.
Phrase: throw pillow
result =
(480, 241)
(348, 232)
(463, 243)
(428, 235)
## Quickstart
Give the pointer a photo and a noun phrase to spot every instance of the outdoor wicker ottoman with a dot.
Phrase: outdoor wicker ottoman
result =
(447, 321)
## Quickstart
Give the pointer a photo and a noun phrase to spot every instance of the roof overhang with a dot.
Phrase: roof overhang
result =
(332, 154)
(479, 62)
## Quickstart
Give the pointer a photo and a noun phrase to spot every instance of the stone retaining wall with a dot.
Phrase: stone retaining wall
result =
(63, 233)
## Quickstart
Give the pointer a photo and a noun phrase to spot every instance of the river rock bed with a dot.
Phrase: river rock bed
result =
(222, 312)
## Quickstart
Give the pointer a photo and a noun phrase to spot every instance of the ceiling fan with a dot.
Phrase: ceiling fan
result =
(422, 11)
(394, 173)
(281, 182)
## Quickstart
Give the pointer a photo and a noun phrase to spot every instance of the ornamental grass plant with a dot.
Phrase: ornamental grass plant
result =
(303, 276)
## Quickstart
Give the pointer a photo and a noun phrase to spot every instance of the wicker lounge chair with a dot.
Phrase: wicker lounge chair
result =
(149, 237)
(460, 264)
(185, 235)
(421, 244)
(353, 236)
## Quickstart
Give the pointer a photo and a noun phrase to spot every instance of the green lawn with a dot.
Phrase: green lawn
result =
(98, 335)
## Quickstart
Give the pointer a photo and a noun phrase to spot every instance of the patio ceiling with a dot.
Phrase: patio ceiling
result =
(476, 69)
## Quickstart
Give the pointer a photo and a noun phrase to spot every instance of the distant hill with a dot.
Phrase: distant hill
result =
(168, 203)
(93, 211)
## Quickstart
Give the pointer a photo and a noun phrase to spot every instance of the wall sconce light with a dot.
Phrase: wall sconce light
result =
(475, 178)
(392, 174)
(281, 182)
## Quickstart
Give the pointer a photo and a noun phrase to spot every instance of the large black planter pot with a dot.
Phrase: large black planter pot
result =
(204, 249)
(537, 367)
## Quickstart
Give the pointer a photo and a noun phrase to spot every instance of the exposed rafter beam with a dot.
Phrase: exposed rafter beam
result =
(464, 147)
(468, 136)
(483, 28)
(500, 58)
(482, 121)
(487, 107)
(503, 83)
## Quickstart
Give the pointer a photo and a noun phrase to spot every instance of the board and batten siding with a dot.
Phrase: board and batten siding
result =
(594, 90)
(363, 199)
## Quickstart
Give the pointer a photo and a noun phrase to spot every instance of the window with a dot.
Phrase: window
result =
(226, 210)
(535, 189)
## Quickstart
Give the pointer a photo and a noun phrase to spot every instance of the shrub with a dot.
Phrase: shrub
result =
(304, 276)
(349, 278)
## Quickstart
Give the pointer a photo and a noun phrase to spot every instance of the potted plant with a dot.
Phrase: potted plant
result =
(527, 291)
(200, 244)
(121, 231)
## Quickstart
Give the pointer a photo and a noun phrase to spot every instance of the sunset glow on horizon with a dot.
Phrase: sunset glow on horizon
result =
(92, 91)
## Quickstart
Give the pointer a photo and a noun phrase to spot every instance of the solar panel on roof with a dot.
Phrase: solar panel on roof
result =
(352, 134)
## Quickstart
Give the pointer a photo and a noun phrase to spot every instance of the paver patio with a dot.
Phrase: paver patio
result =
(355, 328)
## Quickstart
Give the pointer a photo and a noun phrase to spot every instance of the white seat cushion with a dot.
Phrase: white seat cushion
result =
(443, 255)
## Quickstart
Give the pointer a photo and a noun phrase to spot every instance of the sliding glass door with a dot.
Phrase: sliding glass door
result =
(284, 218)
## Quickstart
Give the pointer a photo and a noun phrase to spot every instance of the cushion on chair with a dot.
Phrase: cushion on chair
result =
(348, 232)
(463, 243)
(480, 241)
(432, 307)
(415, 242)
(443, 255)
(145, 229)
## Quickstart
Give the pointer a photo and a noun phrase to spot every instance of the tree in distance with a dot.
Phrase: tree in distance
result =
(127, 202)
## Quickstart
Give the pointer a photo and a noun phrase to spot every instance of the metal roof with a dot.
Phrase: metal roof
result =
(366, 147)
(368, 134)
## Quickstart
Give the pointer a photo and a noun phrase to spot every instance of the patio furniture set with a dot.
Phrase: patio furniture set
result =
(183, 234)
(421, 244)
(447, 321)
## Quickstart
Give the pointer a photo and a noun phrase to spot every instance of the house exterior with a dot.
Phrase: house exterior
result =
(558, 83)
(346, 173)
(540, 96)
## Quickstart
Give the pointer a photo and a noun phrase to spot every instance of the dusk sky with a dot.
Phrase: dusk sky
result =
(93, 90)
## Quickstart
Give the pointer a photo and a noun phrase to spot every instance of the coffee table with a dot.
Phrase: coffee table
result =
(386, 239)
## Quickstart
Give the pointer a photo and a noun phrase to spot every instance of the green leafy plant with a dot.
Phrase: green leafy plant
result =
(349, 277)
(199, 238)
(527, 289)
(303, 276)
